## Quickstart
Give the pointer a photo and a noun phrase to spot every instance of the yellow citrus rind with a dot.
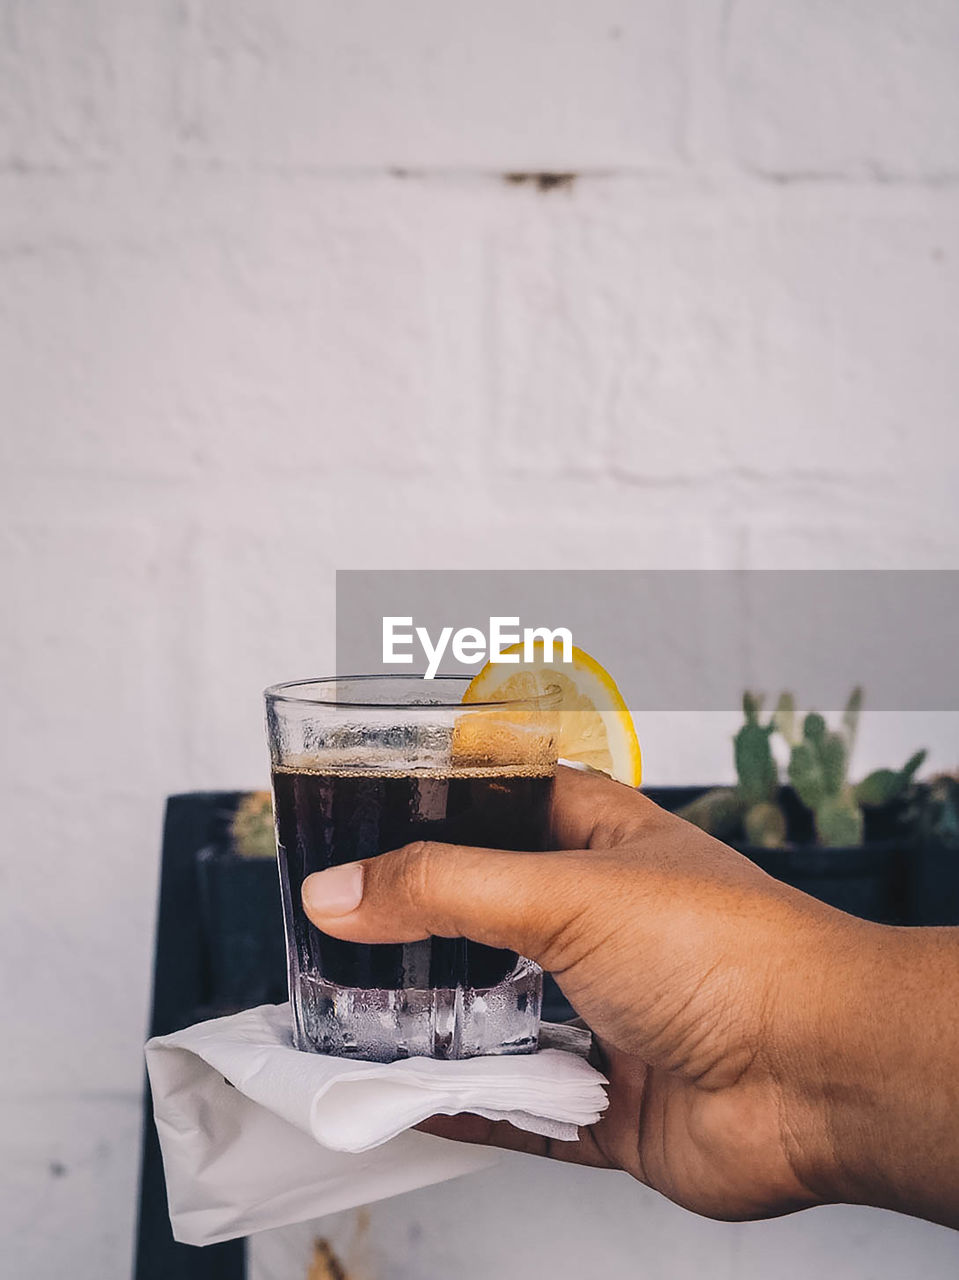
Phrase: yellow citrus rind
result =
(595, 725)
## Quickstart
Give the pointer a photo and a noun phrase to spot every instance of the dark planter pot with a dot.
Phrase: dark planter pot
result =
(242, 928)
(871, 880)
(934, 872)
(935, 891)
(935, 883)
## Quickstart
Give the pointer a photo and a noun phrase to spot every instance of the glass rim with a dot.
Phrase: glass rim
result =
(547, 701)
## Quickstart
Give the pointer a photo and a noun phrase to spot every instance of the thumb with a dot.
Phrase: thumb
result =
(526, 902)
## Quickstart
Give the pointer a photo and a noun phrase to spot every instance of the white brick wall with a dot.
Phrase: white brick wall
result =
(845, 88)
(269, 306)
(545, 84)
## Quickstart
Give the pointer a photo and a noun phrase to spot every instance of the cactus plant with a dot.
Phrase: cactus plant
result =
(850, 717)
(725, 810)
(764, 824)
(818, 770)
(818, 766)
(882, 786)
(784, 718)
(718, 811)
(758, 776)
(755, 766)
(251, 829)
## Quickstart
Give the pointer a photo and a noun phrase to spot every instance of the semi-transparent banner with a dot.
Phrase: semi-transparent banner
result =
(673, 639)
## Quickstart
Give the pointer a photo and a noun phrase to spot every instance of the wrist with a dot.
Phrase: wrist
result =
(832, 1011)
(867, 1051)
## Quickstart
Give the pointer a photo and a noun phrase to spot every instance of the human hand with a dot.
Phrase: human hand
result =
(734, 1017)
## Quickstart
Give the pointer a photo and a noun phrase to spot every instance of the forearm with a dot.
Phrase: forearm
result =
(880, 1071)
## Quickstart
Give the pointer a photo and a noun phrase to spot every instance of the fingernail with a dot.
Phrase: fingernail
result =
(335, 892)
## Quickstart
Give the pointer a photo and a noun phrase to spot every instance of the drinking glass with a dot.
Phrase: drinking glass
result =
(365, 764)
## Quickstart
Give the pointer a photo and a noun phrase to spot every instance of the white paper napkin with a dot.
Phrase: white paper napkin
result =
(255, 1134)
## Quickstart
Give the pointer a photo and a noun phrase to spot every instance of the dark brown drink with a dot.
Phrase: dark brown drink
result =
(324, 819)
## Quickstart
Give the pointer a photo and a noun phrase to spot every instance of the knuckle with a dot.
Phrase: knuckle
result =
(414, 871)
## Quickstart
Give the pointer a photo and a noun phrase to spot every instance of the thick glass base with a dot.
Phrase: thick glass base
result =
(377, 1025)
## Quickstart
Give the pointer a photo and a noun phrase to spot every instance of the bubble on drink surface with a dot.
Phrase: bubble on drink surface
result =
(497, 737)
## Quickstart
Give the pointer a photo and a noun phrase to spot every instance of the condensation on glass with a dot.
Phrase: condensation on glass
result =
(362, 765)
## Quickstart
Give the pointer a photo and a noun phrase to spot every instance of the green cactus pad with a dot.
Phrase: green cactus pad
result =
(839, 822)
(784, 718)
(806, 775)
(765, 825)
(834, 759)
(883, 786)
(752, 706)
(850, 717)
(814, 728)
(717, 812)
(755, 766)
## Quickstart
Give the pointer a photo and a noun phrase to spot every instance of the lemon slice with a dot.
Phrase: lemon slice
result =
(596, 728)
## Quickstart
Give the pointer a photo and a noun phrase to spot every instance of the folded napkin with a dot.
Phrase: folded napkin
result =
(256, 1134)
